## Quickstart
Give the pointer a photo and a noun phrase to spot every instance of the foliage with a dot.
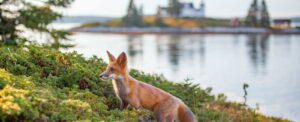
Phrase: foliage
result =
(174, 8)
(158, 21)
(185, 22)
(39, 83)
(258, 16)
(90, 24)
(134, 17)
(114, 23)
(214, 22)
(17, 16)
(251, 19)
(245, 86)
(265, 17)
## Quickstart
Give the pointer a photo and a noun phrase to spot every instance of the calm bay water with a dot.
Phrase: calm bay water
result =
(270, 64)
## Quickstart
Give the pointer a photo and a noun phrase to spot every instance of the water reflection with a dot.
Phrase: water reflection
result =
(258, 51)
(202, 50)
(135, 47)
(174, 50)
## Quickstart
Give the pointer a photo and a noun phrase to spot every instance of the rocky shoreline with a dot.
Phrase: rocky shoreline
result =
(207, 30)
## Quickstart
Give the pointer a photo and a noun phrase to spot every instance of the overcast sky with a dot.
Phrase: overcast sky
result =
(214, 8)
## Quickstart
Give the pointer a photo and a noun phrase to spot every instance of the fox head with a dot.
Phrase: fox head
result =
(116, 68)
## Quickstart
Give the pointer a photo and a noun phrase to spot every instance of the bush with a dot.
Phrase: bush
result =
(38, 83)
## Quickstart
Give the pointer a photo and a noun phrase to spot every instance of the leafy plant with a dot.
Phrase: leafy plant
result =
(17, 16)
(39, 83)
(245, 86)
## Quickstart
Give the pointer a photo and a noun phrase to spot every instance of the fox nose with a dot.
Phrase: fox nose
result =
(101, 76)
(104, 76)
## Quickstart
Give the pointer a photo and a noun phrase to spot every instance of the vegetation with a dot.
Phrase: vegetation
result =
(265, 17)
(170, 22)
(251, 19)
(91, 24)
(245, 86)
(174, 8)
(39, 83)
(158, 21)
(134, 17)
(214, 22)
(17, 16)
(258, 16)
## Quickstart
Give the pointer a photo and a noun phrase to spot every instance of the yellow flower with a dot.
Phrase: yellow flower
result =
(7, 100)
(5, 75)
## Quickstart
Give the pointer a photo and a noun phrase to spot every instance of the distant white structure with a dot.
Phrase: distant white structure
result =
(187, 10)
(287, 23)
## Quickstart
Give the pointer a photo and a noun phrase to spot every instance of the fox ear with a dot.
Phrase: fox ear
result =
(122, 60)
(110, 57)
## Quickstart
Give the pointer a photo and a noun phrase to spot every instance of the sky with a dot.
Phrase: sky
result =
(214, 8)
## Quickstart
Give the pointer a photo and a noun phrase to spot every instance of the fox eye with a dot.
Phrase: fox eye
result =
(112, 69)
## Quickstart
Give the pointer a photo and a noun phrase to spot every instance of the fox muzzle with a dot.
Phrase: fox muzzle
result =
(104, 75)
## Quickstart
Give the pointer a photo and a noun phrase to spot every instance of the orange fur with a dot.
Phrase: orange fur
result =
(166, 107)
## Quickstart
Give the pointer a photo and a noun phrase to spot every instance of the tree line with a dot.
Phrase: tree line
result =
(258, 15)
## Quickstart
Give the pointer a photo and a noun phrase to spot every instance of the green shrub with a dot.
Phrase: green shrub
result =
(40, 83)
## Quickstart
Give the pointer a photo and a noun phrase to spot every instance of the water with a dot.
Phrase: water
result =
(268, 63)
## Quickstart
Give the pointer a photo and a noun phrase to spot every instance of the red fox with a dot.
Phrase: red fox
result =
(165, 107)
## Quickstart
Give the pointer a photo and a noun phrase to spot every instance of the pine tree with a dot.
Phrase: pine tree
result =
(158, 20)
(33, 15)
(141, 15)
(133, 17)
(174, 8)
(265, 18)
(251, 19)
(141, 10)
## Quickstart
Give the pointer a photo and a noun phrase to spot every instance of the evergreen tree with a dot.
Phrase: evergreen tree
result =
(251, 19)
(141, 10)
(158, 20)
(265, 18)
(133, 17)
(33, 15)
(141, 15)
(174, 8)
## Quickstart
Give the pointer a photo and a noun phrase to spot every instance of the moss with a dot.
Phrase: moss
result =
(38, 83)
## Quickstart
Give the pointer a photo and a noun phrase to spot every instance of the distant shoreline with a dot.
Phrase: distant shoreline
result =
(208, 30)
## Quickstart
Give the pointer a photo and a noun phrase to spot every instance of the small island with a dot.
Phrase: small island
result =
(184, 18)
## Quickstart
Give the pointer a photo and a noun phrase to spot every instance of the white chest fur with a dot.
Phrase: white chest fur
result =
(120, 89)
(116, 88)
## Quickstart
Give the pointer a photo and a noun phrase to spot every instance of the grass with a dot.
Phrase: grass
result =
(38, 83)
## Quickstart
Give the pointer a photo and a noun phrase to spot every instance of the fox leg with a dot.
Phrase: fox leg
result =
(162, 116)
(159, 114)
(170, 118)
(135, 102)
(165, 112)
(158, 117)
(124, 104)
